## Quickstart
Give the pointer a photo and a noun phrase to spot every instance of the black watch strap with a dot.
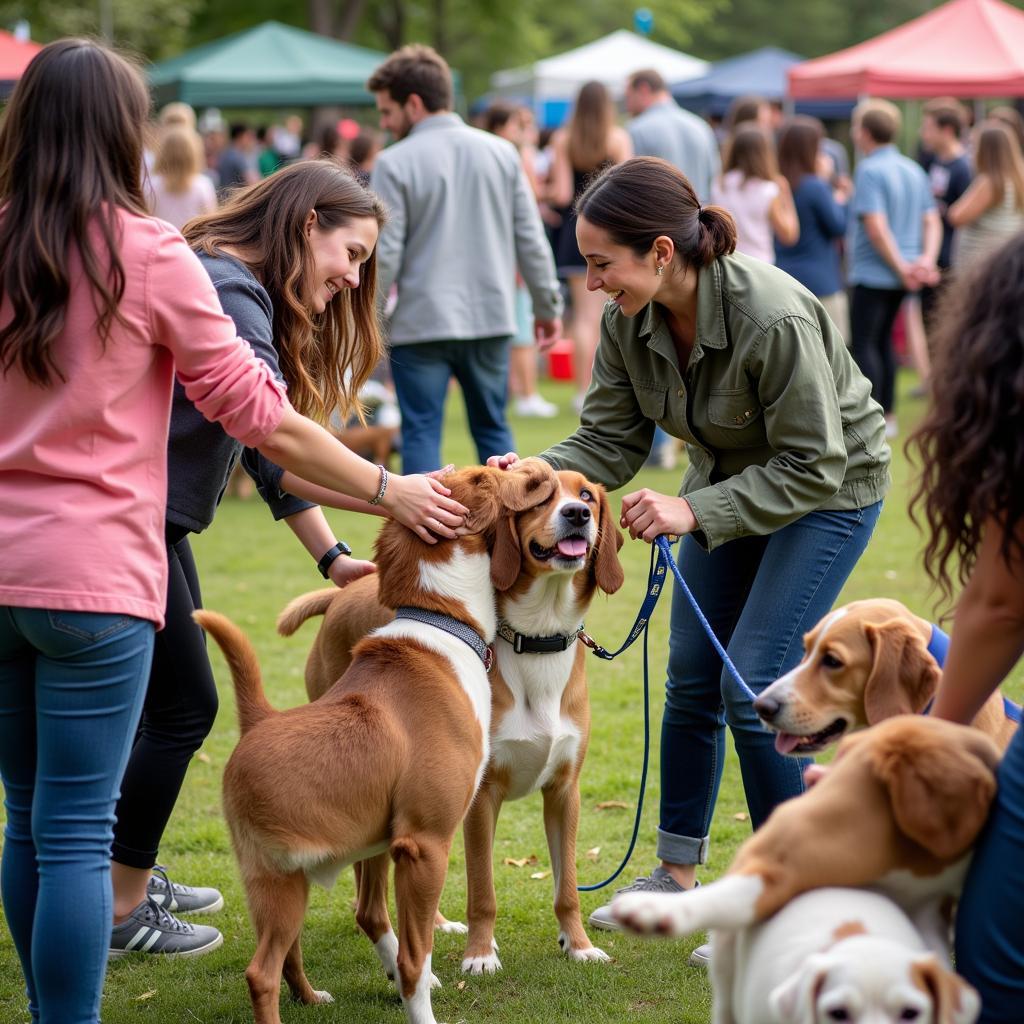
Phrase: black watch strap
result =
(340, 548)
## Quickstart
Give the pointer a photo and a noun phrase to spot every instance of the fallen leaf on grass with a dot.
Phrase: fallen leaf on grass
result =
(461, 985)
(204, 757)
(540, 875)
(741, 816)
(594, 853)
(145, 996)
(616, 805)
(521, 862)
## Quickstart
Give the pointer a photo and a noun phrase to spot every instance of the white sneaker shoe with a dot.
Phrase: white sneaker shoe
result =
(535, 406)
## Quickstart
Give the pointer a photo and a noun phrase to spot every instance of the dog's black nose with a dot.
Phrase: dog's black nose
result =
(577, 513)
(767, 708)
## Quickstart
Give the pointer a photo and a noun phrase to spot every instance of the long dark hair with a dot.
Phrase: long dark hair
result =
(750, 152)
(644, 197)
(799, 142)
(70, 158)
(325, 358)
(590, 127)
(970, 446)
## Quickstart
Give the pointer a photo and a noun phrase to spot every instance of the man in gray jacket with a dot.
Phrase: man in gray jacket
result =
(462, 219)
(660, 127)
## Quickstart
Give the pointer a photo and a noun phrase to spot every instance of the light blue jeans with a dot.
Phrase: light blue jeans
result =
(761, 594)
(71, 691)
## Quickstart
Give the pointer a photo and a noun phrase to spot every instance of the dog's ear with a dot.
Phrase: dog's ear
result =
(903, 676)
(953, 1000)
(940, 778)
(491, 493)
(507, 554)
(608, 574)
(795, 1000)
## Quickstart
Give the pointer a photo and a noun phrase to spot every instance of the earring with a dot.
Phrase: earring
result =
(659, 270)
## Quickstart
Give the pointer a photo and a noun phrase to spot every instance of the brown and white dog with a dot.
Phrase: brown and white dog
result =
(547, 564)
(864, 662)
(898, 811)
(384, 764)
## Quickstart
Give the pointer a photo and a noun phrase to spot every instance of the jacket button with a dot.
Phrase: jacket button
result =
(738, 419)
(680, 393)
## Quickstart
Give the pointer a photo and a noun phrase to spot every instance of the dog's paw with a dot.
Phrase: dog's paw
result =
(323, 997)
(435, 981)
(653, 913)
(583, 953)
(482, 964)
(451, 927)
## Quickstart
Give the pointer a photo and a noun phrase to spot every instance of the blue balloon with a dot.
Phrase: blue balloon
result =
(643, 20)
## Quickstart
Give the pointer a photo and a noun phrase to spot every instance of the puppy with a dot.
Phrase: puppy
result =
(864, 662)
(384, 765)
(835, 955)
(547, 564)
(899, 811)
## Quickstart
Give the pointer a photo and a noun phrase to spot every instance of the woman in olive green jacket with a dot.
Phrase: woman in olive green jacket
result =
(788, 466)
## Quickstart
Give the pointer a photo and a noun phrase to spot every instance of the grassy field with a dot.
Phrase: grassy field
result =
(250, 568)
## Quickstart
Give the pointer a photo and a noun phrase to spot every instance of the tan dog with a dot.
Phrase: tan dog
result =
(899, 811)
(384, 764)
(548, 562)
(863, 662)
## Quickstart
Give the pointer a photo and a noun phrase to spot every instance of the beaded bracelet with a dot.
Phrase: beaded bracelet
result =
(383, 487)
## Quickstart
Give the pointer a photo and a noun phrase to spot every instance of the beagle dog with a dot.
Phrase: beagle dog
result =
(899, 811)
(548, 563)
(864, 662)
(835, 955)
(385, 764)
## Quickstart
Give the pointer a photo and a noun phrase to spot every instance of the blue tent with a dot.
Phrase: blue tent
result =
(759, 73)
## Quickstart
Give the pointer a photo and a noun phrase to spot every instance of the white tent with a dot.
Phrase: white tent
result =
(610, 60)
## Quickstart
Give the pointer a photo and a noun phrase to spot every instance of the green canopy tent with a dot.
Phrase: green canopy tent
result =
(272, 65)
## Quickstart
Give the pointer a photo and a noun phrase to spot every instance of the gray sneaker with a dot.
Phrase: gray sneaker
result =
(151, 929)
(182, 899)
(659, 880)
(701, 956)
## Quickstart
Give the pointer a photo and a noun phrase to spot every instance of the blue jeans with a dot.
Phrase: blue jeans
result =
(421, 373)
(990, 920)
(71, 692)
(760, 594)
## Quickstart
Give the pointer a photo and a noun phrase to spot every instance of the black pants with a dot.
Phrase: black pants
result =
(872, 314)
(181, 705)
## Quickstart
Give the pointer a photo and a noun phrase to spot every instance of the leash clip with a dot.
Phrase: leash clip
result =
(488, 658)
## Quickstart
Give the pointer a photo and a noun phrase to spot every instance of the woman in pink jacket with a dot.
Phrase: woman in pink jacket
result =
(100, 306)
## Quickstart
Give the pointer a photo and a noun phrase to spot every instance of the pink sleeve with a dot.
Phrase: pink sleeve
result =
(221, 375)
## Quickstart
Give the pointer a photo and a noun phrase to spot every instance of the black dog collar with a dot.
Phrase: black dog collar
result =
(523, 644)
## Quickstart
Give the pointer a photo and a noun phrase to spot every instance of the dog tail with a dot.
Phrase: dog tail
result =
(303, 607)
(253, 705)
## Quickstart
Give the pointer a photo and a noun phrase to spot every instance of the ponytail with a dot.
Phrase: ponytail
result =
(716, 235)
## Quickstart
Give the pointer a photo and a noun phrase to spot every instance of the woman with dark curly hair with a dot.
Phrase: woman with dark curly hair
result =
(971, 447)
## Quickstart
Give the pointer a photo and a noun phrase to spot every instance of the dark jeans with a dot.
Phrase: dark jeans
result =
(180, 708)
(872, 314)
(421, 373)
(990, 918)
(760, 594)
(71, 688)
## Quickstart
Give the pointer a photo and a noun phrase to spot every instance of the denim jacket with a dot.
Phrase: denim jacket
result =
(777, 419)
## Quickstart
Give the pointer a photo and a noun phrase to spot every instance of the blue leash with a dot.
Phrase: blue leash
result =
(661, 558)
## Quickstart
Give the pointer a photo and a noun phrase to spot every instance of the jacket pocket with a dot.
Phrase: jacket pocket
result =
(735, 419)
(651, 398)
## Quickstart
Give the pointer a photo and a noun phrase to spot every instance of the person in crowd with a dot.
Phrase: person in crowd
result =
(462, 218)
(748, 109)
(1011, 117)
(288, 139)
(970, 448)
(660, 127)
(821, 211)
(329, 142)
(100, 306)
(758, 197)
(250, 250)
(589, 143)
(177, 189)
(268, 159)
(236, 165)
(788, 466)
(992, 208)
(363, 154)
(894, 246)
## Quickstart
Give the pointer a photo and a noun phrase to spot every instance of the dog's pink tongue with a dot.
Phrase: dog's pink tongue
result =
(572, 547)
(786, 743)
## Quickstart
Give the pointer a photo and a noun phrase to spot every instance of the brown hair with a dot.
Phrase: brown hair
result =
(998, 156)
(644, 197)
(1012, 119)
(743, 109)
(590, 127)
(799, 143)
(946, 112)
(267, 222)
(970, 454)
(179, 157)
(879, 118)
(497, 115)
(750, 153)
(56, 184)
(415, 69)
(649, 77)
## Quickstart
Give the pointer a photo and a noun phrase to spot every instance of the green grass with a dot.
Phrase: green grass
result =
(250, 568)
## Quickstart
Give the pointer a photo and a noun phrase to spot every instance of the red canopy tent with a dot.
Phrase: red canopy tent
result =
(965, 48)
(14, 57)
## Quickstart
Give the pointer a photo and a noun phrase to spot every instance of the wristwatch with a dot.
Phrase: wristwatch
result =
(340, 548)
